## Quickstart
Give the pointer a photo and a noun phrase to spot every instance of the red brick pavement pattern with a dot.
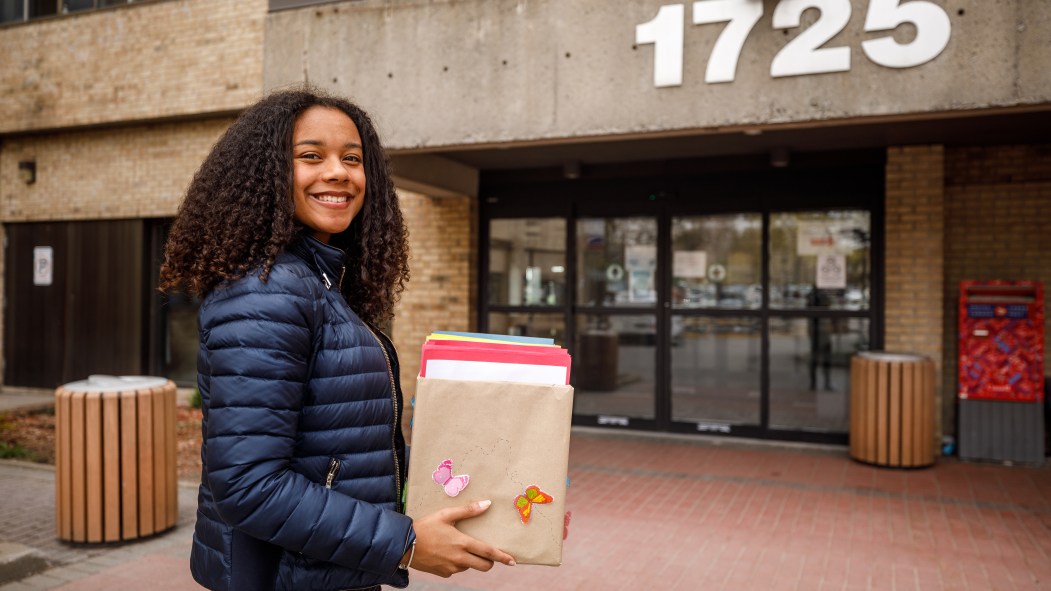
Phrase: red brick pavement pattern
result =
(653, 513)
(659, 514)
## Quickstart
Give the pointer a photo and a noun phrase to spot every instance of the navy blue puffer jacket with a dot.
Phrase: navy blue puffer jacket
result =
(303, 458)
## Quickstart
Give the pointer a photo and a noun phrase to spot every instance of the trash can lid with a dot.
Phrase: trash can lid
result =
(891, 356)
(104, 383)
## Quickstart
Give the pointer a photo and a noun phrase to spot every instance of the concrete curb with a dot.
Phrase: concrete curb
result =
(18, 562)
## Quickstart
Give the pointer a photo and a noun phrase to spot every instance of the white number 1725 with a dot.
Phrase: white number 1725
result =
(805, 53)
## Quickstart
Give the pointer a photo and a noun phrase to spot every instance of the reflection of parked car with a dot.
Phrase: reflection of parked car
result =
(642, 330)
(702, 296)
(854, 299)
(741, 296)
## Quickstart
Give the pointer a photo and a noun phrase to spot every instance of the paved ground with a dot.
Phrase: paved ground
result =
(668, 513)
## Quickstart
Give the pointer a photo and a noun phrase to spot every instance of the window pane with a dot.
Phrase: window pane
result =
(715, 370)
(39, 8)
(103, 3)
(614, 366)
(548, 326)
(77, 5)
(527, 262)
(820, 260)
(716, 261)
(810, 371)
(180, 351)
(12, 10)
(617, 262)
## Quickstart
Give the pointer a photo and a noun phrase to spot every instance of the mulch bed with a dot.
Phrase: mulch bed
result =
(30, 436)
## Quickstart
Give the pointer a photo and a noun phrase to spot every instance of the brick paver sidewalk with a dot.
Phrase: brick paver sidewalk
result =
(666, 513)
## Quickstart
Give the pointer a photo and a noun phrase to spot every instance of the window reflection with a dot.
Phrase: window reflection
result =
(548, 326)
(12, 10)
(614, 365)
(77, 5)
(39, 8)
(716, 261)
(617, 261)
(715, 370)
(181, 338)
(820, 260)
(527, 262)
(810, 371)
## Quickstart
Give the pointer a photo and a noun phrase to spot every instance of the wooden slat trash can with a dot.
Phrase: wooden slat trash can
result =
(892, 409)
(115, 471)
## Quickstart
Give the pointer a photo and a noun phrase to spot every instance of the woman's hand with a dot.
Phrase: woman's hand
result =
(443, 550)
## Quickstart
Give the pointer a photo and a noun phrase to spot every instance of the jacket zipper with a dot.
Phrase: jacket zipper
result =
(393, 396)
(333, 469)
(394, 405)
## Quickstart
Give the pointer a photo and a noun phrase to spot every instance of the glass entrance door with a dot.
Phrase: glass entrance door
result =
(693, 311)
(615, 317)
(715, 328)
(819, 315)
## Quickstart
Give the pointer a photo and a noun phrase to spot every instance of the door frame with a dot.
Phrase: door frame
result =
(818, 181)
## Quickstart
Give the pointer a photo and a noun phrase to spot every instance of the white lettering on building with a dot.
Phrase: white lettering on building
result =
(804, 54)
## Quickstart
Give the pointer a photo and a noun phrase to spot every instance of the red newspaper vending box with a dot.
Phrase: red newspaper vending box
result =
(1001, 370)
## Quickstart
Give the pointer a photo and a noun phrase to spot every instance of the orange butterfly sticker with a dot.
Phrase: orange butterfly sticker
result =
(533, 496)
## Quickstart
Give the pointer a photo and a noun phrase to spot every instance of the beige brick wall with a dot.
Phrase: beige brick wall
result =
(138, 62)
(915, 206)
(997, 226)
(441, 294)
(126, 172)
(954, 214)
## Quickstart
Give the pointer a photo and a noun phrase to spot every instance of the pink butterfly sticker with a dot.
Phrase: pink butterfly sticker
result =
(444, 477)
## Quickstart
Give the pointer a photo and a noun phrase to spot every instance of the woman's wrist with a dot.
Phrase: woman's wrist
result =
(406, 559)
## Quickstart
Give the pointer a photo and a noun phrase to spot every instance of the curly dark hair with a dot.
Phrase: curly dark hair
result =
(239, 211)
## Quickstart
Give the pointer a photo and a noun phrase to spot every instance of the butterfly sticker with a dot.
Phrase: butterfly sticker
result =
(444, 477)
(533, 496)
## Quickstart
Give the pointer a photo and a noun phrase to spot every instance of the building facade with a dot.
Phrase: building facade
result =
(714, 205)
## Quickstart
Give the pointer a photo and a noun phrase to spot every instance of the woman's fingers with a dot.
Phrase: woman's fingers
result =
(443, 550)
(490, 553)
(474, 546)
(454, 514)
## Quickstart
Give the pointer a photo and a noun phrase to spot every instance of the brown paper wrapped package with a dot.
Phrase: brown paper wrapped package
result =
(506, 437)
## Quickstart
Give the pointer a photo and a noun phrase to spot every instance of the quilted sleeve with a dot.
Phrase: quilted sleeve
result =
(257, 338)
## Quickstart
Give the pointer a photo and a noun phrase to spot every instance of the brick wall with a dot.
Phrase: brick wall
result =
(954, 214)
(441, 294)
(122, 172)
(997, 226)
(915, 206)
(137, 62)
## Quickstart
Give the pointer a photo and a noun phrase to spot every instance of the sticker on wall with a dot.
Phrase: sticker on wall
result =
(532, 496)
(443, 476)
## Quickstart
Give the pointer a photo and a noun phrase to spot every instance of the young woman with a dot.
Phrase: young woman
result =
(292, 235)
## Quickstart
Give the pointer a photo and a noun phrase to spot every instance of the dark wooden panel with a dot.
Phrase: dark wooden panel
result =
(35, 317)
(91, 319)
(105, 291)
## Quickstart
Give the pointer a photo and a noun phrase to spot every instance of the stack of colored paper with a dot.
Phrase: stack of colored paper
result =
(492, 421)
(498, 358)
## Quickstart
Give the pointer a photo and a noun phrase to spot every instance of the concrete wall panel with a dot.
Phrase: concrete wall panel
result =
(466, 72)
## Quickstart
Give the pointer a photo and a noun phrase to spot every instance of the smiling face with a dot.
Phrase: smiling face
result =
(328, 171)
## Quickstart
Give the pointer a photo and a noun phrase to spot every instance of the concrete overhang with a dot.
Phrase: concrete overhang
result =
(1007, 126)
(433, 175)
